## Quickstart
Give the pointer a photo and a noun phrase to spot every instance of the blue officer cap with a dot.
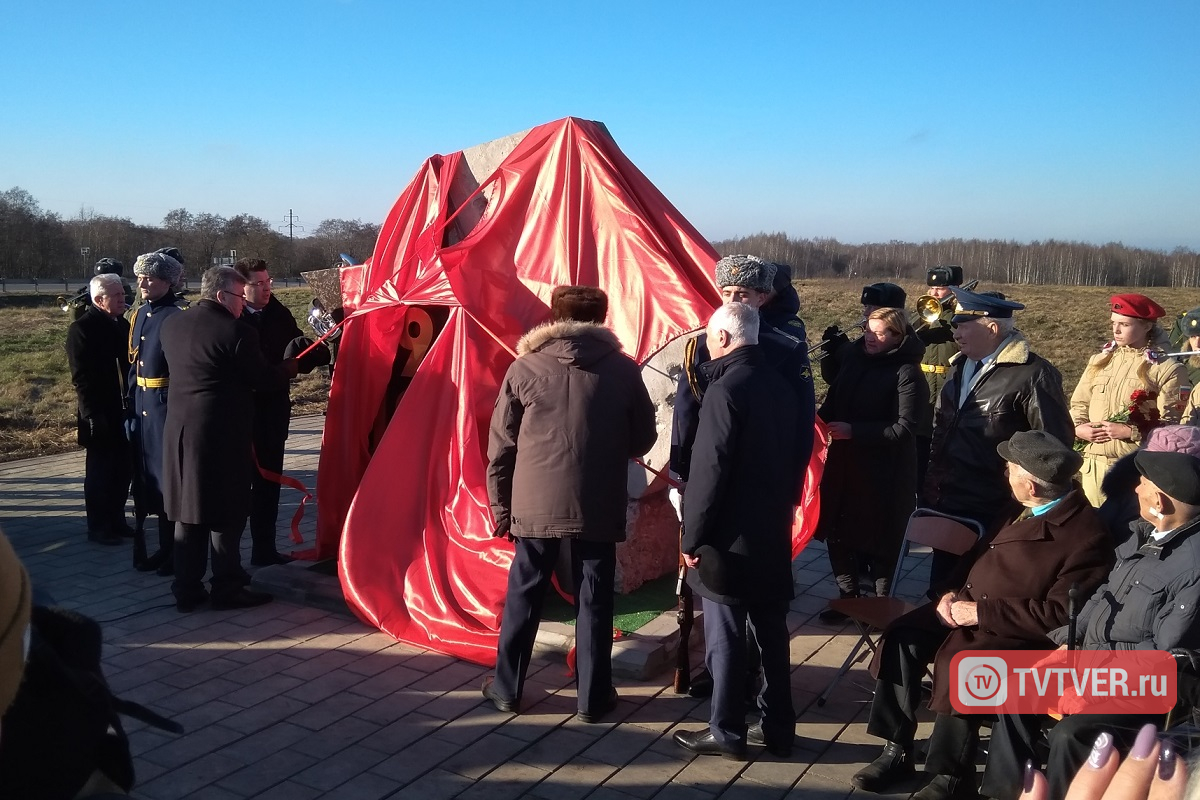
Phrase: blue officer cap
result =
(973, 306)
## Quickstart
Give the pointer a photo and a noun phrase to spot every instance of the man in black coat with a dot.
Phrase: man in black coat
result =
(216, 364)
(737, 534)
(96, 345)
(277, 329)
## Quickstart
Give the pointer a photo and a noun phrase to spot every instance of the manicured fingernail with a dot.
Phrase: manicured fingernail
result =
(1101, 751)
(1166, 762)
(1027, 785)
(1144, 742)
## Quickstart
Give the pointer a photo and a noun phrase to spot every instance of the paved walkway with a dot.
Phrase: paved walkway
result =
(290, 702)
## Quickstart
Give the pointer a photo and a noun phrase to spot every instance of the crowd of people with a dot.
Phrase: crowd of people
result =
(949, 410)
(186, 406)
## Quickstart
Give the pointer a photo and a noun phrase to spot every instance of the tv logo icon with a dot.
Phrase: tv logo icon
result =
(982, 681)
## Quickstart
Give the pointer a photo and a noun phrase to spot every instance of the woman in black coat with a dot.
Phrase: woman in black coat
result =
(869, 486)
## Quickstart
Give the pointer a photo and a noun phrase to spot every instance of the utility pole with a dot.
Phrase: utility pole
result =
(292, 222)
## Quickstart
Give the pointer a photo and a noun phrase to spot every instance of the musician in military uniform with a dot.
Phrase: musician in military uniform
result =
(96, 353)
(938, 337)
(834, 339)
(1188, 332)
(149, 378)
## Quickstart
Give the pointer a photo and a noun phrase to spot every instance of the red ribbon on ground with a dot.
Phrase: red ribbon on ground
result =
(291, 483)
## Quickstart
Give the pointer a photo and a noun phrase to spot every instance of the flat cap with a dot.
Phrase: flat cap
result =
(971, 305)
(1041, 455)
(947, 275)
(1137, 306)
(884, 295)
(1176, 474)
(712, 570)
(748, 272)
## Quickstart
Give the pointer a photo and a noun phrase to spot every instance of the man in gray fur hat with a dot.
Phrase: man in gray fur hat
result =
(149, 377)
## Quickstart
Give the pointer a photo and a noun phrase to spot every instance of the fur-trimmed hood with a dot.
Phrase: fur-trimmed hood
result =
(1015, 351)
(569, 341)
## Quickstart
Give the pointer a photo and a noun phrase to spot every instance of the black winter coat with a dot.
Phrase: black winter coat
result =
(571, 413)
(96, 352)
(216, 365)
(276, 327)
(882, 397)
(1018, 391)
(744, 475)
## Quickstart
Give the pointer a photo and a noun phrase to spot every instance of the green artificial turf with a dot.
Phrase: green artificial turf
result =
(631, 611)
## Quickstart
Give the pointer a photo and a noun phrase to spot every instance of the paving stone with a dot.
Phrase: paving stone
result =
(328, 773)
(575, 779)
(434, 785)
(266, 772)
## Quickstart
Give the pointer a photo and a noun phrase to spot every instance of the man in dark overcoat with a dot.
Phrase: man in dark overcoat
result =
(216, 365)
(276, 329)
(149, 381)
(1007, 593)
(571, 412)
(737, 534)
(96, 353)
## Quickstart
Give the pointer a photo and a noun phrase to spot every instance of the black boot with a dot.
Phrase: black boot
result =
(948, 787)
(894, 764)
(166, 546)
(139, 543)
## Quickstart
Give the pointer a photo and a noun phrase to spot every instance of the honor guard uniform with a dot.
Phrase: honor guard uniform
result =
(1189, 325)
(938, 337)
(149, 379)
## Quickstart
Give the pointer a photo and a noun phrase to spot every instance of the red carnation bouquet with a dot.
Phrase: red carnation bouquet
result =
(1142, 413)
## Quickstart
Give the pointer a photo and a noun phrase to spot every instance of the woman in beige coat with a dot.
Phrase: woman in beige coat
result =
(1122, 394)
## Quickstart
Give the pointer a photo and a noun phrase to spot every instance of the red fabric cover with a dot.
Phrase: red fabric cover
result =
(410, 522)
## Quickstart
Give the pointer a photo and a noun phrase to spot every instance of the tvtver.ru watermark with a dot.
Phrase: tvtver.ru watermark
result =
(1070, 682)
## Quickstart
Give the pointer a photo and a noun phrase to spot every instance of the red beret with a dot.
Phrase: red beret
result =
(1137, 306)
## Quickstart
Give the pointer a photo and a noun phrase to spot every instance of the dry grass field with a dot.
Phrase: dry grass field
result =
(1066, 324)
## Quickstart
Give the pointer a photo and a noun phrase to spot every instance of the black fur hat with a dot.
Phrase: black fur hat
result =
(579, 303)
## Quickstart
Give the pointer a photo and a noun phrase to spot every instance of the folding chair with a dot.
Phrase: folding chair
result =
(871, 615)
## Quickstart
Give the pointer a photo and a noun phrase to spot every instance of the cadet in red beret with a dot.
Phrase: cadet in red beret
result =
(1136, 306)
(1123, 395)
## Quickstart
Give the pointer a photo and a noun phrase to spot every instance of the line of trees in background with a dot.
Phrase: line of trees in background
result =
(41, 244)
(992, 261)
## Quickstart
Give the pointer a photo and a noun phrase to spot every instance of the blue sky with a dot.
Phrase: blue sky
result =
(855, 120)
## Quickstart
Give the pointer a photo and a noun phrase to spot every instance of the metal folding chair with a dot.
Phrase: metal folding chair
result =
(871, 615)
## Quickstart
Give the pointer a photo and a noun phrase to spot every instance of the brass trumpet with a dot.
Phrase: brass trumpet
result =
(860, 325)
(930, 308)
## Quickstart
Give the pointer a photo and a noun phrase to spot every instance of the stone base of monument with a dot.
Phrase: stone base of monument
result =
(645, 654)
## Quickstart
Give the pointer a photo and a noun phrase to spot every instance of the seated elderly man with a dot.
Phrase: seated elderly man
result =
(1007, 593)
(1148, 602)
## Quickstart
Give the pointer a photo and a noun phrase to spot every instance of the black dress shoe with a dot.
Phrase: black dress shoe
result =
(702, 743)
(103, 537)
(947, 787)
(754, 735)
(242, 598)
(155, 561)
(702, 685)
(893, 765)
(270, 559)
(125, 531)
(601, 711)
(189, 603)
(831, 616)
(167, 567)
(489, 691)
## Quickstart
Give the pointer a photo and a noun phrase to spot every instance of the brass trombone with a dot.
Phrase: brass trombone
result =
(860, 325)
(930, 308)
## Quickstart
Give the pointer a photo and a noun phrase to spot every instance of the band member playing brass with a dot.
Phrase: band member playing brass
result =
(1123, 394)
(834, 340)
(938, 336)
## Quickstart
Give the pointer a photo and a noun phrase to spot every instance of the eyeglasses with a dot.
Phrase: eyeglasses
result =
(233, 294)
(260, 284)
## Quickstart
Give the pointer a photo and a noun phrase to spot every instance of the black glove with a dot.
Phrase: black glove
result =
(296, 346)
(503, 530)
(317, 357)
(832, 338)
